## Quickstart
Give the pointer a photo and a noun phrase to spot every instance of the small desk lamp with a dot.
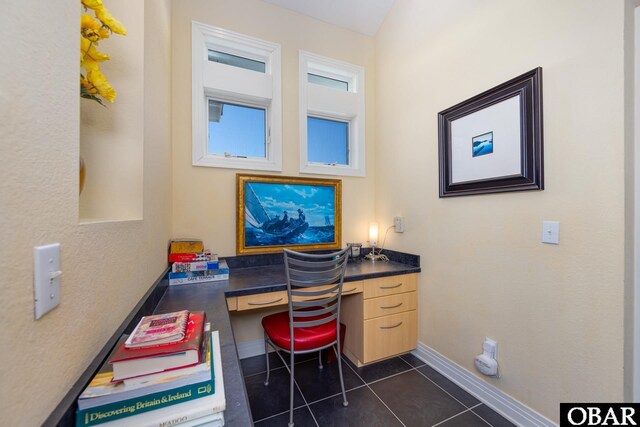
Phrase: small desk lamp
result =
(373, 240)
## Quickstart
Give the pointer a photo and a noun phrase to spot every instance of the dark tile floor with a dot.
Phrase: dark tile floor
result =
(402, 391)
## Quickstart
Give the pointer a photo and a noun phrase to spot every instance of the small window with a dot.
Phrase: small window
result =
(236, 61)
(332, 116)
(236, 130)
(328, 141)
(236, 104)
(329, 82)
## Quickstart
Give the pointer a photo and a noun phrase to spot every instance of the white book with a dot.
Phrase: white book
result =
(214, 420)
(192, 412)
(200, 279)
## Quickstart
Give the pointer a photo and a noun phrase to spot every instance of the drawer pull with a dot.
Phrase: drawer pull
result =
(265, 303)
(391, 287)
(391, 306)
(390, 327)
(344, 292)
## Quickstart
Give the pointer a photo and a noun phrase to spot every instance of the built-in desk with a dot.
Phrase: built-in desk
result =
(244, 281)
(380, 313)
(251, 276)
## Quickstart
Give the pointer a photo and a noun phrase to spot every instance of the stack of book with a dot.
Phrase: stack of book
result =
(167, 372)
(191, 263)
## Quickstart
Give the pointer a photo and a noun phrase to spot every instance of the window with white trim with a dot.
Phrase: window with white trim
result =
(332, 116)
(236, 100)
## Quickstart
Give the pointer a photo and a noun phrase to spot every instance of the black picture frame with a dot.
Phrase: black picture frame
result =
(528, 87)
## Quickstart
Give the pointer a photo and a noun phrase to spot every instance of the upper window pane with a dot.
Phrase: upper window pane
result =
(236, 61)
(327, 141)
(236, 130)
(326, 81)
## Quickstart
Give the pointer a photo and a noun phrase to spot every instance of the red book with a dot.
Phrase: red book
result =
(190, 256)
(135, 362)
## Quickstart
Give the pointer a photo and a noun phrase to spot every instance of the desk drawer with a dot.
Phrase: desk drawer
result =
(391, 304)
(352, 287)
(390, 335)
(347, 288)
(390, 285)
(269, 299)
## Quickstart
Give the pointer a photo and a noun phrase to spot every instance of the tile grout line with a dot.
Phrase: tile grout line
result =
(414, 368)
(470, 408)
(299, 391)
(376, 395)
(438, 385)
(277, 415)
(402, 357)
(263, 372)
(337, 394)
(329, 397)
(303, 398)
(479, 416)
(457, 415)
(390, 376)
(275, 368)
(307, 404)
(367, 384)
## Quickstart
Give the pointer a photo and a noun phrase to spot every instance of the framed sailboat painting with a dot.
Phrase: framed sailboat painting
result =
(275, 212)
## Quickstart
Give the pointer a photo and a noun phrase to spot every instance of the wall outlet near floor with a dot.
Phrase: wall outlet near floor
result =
(398, 224)
(486, 362)
(490, 348)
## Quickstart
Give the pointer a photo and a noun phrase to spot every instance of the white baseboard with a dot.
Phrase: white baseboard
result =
(497, 400)
(250, 348)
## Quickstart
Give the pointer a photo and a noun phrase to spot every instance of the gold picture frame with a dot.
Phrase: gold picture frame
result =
(276, 212)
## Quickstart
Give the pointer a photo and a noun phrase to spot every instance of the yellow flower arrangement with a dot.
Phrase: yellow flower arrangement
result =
(94, 85)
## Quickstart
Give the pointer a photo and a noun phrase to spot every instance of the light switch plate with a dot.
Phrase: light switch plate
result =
(46, 278)
(551, 232)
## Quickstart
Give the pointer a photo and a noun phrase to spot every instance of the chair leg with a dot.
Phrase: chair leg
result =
(266, 354)
(320, 359)
(344, 394)
(291, 391)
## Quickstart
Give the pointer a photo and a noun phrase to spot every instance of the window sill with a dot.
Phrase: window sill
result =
(237, 163)
(337, 170)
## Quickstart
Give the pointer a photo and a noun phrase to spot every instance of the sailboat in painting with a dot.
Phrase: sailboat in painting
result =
(279, 228)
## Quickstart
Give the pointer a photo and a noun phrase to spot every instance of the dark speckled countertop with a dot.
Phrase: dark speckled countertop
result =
(211, 297)
(270, 278)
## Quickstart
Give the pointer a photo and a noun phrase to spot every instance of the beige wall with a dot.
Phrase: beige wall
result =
(107, 267)
(556, 311)
(111, 143)
(204, 198)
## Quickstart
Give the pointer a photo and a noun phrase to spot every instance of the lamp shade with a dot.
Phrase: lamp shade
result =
(373, 233)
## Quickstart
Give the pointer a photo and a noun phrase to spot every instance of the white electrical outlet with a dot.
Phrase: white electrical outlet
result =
(46, 278)
(486, 362)
(398, 224)
(490, 348)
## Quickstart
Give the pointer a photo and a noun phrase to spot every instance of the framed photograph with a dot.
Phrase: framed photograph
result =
(275, 212)
(493, 142)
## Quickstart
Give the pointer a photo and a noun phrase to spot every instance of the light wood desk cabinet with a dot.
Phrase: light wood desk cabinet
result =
(272, 299)
(382, 321)
(380, 315)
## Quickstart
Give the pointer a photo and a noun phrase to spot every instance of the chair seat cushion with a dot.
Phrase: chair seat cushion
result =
(276, 326)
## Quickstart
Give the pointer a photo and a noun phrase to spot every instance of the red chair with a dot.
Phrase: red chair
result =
(312, 322)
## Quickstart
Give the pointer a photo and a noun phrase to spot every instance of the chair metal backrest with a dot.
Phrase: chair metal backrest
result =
(306, 271)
